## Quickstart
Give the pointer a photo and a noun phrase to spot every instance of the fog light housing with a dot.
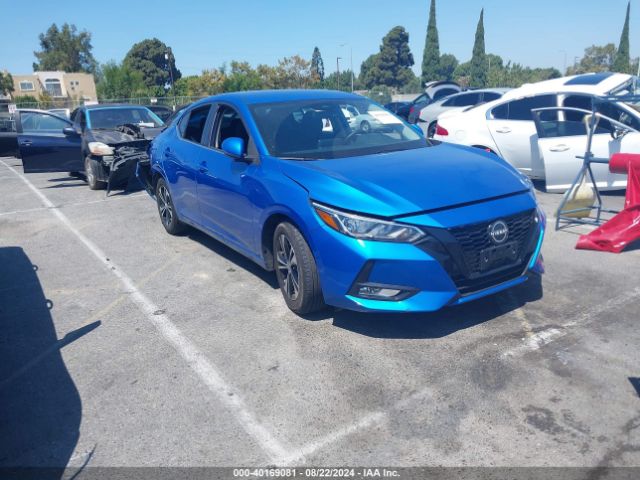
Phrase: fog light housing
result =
(369, 291)
(375, 291)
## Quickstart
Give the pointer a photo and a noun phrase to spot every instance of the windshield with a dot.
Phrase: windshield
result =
(318, 129)
(110, 118)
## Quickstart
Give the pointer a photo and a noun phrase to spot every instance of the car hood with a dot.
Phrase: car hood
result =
(115, 137)
(406, 182)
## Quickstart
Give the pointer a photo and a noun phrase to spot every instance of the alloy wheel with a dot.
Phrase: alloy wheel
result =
(165, 206)
(288, 267)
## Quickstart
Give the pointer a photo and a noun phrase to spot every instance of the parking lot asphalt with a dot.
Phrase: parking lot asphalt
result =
(124, 346)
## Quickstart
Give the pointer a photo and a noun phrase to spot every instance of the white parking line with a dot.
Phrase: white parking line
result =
(544, 337)
(76, 204)
(194, 357)
(368, 420)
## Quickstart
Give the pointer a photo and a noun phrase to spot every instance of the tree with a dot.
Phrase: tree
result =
(431, 55)
(209, 82)
(242, 77)
(120, 82)
(149, 57)
(6, 83)
(65, 49)
(317, 66)
(622, 60)
(447, 66)
(331, 82)
(478, 61)
(293, 72)
(392, 65)
(595, 59)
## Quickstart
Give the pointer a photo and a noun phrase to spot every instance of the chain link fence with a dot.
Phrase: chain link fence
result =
(71, 104)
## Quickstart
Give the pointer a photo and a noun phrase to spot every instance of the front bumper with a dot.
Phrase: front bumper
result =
(427, 277)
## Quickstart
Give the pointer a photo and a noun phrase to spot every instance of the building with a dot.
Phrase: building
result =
(61, 86)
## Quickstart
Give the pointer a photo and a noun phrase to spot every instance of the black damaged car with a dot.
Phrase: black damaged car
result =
(102, 141)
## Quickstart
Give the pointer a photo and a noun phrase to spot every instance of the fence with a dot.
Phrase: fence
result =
(74, 103)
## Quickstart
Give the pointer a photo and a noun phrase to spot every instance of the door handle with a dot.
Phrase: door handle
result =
(559, 148)
(503, 130)
(25, 143)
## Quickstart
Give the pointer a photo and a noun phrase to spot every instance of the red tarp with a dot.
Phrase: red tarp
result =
(623, 229)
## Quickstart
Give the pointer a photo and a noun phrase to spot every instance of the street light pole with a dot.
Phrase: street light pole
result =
(350, 61)
(351, 65)
(564, 72)
(338, 70)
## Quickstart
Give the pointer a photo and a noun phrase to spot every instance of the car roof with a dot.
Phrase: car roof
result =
(273, 96)
(589, 83)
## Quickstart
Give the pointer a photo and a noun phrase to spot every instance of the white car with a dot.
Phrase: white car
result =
(458, 102)
(373, 120)
(507, 128)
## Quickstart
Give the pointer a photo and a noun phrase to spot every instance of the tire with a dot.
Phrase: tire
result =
(90, 167)
(166, 209)
(296, 270)
(365, 126)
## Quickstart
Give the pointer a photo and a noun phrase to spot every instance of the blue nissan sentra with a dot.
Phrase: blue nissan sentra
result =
(362, 218)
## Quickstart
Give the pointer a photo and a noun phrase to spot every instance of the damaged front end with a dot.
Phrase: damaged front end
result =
(130, 148)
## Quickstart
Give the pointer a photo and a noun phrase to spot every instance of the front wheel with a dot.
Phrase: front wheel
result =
(365, 126)
(167, 210)
(90, 169)
(296, 270)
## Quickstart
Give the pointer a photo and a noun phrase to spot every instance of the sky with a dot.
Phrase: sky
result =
(207, 33)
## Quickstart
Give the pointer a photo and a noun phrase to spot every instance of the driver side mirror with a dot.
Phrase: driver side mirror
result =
(70, 131)
(234, 147)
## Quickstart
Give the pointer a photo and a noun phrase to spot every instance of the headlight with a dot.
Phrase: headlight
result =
(100, 149)
(366, 228)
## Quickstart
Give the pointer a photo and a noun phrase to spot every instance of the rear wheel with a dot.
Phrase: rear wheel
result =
(296, 270)
(166, 209)
(90, 171)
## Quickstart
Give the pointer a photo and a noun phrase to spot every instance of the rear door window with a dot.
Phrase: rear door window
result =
(444, 92)
(464, 100)
(490, 96)
(192, 125)
(521, 109)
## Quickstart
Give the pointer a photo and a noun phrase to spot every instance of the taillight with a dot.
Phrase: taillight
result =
(441, 130)
(411, 110)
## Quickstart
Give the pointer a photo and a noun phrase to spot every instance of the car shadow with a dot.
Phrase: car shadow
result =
(395, 325)
(635, 382)
(228, 253)
(67, 185)
(65, 179)
(435, 324)
(41, 410)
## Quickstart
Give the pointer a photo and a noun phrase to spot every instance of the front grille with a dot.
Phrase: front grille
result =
(473, 239)
(467, 286)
